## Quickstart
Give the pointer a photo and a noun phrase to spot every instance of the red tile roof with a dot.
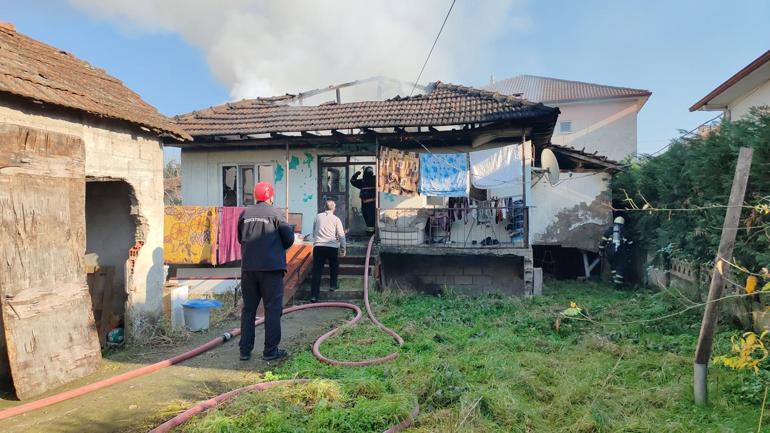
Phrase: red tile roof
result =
(551, 90)
(34, 70)
(441, 105)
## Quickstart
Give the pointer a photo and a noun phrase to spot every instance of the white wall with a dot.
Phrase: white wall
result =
(202, 183)
(756, 98)
(608, 127)
(574, 213)
(125, 153)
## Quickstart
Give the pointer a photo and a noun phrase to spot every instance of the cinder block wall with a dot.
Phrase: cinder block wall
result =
(117, 150)
(469, 275)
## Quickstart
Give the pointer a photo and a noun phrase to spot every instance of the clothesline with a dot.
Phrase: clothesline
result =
(450, 174)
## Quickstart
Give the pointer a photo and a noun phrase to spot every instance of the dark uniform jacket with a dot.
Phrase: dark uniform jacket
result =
(367, 185)
(264, 238)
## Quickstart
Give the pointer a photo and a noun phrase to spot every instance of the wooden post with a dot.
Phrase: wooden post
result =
(524, 187)
(725, 252)
(377, 184)
(287, 181)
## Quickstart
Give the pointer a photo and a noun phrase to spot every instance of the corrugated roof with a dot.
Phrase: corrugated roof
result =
(442, 105)
(34, 70)
(550, 90)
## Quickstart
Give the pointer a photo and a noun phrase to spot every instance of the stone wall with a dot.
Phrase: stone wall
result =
(116, 151)
(469, 275)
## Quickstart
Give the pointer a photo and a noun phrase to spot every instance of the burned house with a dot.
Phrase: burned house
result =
(477, 238)
(81, 171)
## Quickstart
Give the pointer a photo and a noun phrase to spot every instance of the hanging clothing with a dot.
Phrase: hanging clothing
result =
(398, 172)
(497, 168)
(444, 175)
(229, 249)
(190, 235)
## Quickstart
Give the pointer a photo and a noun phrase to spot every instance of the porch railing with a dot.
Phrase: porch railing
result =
(482, 226)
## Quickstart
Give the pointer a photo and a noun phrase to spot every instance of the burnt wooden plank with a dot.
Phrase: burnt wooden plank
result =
(46, 308)
(298, 262)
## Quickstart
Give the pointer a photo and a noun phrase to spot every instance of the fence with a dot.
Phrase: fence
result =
(467, 226)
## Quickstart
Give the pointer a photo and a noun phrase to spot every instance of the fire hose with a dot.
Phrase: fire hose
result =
(202, 406)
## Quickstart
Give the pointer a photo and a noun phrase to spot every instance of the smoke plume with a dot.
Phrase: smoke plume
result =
(264, 48)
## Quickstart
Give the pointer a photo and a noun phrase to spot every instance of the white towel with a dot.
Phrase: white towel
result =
(497, 168)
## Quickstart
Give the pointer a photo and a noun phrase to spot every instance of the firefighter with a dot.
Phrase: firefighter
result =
(616, 248)
(367, 187)
(264, 237)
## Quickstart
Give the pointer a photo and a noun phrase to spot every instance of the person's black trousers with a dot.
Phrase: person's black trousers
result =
(367, 209)
(320, 256)
(267, 286)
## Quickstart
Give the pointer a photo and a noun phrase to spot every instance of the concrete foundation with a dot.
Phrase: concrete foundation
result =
(468, 275)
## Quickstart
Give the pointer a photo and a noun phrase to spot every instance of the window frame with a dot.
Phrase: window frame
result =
(568, 130)
(238, 166)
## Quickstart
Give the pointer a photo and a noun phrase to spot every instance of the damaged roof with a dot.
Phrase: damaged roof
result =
(441, 105)
(34, 70)
(552, 90)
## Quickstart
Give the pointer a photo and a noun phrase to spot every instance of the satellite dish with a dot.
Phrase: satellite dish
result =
(550, 165)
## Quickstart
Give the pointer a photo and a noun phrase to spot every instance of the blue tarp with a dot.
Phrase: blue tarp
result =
(444, 174)
(202, 303)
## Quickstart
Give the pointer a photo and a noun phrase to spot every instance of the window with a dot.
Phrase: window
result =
(238, 182)
(565, 127)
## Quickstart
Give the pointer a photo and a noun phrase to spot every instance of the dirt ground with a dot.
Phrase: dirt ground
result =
(144, 402)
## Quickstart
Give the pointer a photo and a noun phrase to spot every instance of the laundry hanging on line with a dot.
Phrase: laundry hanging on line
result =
(444, 174)
(498, 168)
(190, 235)
(228, 248)
(399, 172)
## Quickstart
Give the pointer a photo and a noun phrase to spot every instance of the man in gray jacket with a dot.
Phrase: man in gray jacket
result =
(328, 245)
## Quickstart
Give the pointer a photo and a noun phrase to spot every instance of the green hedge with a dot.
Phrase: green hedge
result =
(697, 172)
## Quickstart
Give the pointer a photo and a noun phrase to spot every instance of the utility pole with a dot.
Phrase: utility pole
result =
(725, 253)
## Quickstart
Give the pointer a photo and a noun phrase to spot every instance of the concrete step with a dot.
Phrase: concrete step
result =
(352, 270)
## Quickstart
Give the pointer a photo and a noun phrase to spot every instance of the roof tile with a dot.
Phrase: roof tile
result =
(34, 70)
(549, 90)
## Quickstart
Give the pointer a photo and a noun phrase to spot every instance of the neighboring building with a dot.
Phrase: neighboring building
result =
(749, 87)
(81, 170)
(594, 117)
(314, 150)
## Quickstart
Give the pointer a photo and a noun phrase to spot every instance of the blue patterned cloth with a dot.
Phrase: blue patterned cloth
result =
(444, 175)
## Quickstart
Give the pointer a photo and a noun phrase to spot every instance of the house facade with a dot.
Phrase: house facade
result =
(81, 171)
(748, 88)
(311, 152)
(595, 119)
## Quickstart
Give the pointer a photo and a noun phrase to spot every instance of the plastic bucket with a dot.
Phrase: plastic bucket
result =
(197, 313)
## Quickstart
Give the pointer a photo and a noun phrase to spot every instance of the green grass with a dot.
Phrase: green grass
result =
(495, 364)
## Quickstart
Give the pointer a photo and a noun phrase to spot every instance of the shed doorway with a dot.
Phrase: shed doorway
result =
(110, 234)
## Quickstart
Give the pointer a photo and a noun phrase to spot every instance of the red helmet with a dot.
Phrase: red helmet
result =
(263, 191)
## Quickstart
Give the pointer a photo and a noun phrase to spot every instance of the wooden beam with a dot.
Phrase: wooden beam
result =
(721, 264)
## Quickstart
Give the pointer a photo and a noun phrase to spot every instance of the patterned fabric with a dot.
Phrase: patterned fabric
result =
(228, 248)
(444, 175)
(190, 235)
(398, 172)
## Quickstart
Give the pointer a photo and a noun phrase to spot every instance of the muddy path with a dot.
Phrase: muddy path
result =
(144, 402)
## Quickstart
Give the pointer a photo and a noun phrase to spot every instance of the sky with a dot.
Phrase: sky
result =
(182, 55)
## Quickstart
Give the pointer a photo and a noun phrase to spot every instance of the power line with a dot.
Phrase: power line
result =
(431, 48)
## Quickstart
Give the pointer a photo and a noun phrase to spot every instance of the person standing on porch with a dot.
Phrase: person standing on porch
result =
(264, 237)
(368, 191)
(328, 245)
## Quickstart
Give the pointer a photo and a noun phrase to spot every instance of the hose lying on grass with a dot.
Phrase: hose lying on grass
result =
(200, 407)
